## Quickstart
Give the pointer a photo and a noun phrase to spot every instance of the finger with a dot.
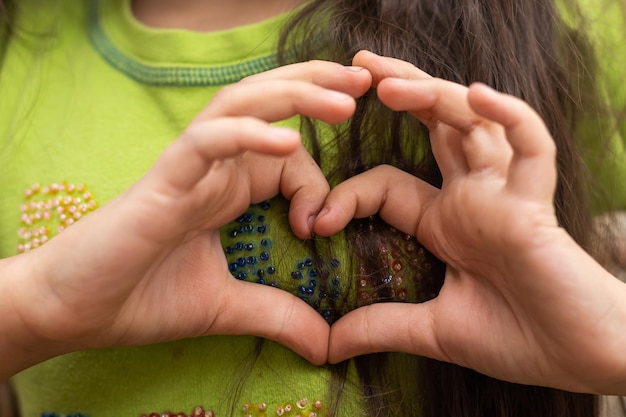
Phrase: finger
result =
(352, 80)
(297, 177)
(534, 150)
(276, 100)
(384, 67)
(483, 145)
(303, 183)
(187, 160)
(397, 196)
(385, 327)
(252, 309)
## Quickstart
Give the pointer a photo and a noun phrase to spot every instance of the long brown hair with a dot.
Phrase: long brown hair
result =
(520, 47)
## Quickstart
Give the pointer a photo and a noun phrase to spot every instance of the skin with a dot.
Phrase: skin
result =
(112, 293)
(207, 15)
(521, 300)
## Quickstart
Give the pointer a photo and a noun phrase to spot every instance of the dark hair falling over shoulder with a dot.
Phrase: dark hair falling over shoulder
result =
(520, 47)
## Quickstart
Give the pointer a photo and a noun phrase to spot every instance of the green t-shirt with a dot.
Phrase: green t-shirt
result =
(89, 98)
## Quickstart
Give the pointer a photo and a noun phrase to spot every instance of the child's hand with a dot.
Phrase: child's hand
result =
(521, 300)
(153, 268)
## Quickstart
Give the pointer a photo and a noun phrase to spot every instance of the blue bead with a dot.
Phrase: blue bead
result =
(305, 299)
(251, 260)
(302, 290)
(249, 217)
(241, 262)
(323, 295)
(228, 250)
(239, 246)
(273, 284)
(242, 275)
(265, 205)
(308, 262)
(310, 291)
(312, 283)
(260, 273)
(249, 247)
(326, 314)
(313, 273)
(335, 281)
(336, 293)
(233, 267)
(241, 218)
(260, 281)
(335, 263)
(296, 275)
(387, 279)
(264, 256)
(261, 219)
(233, 233)
(271, 270)
(248, 228)
(262, 228)
(266, 242)
(301, 265)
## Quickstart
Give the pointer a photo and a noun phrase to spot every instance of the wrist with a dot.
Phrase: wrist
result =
(580, 309)
(21, 335)
(614, 344)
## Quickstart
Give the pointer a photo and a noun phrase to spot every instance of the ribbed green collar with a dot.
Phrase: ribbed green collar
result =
(175, 57)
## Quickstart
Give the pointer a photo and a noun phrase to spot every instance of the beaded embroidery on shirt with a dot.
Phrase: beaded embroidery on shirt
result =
(258, 249)
(301, 408)
(253, 256)
(48, 210)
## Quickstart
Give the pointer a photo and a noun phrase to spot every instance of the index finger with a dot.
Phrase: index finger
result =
(353, 80)
(386, 67)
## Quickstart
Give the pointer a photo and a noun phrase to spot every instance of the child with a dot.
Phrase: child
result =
(92, 96)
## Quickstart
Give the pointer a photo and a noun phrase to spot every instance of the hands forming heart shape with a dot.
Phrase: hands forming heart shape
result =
(515, 285)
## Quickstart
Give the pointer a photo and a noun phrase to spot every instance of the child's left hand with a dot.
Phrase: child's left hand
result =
(521, 300)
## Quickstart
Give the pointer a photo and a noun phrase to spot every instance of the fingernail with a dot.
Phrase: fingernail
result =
(311, 221)
(353, 68)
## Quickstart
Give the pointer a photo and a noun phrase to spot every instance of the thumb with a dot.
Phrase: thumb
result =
(386, 327)
(252, 309)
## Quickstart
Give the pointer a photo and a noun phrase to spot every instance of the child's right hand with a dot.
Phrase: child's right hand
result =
(153, 268)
